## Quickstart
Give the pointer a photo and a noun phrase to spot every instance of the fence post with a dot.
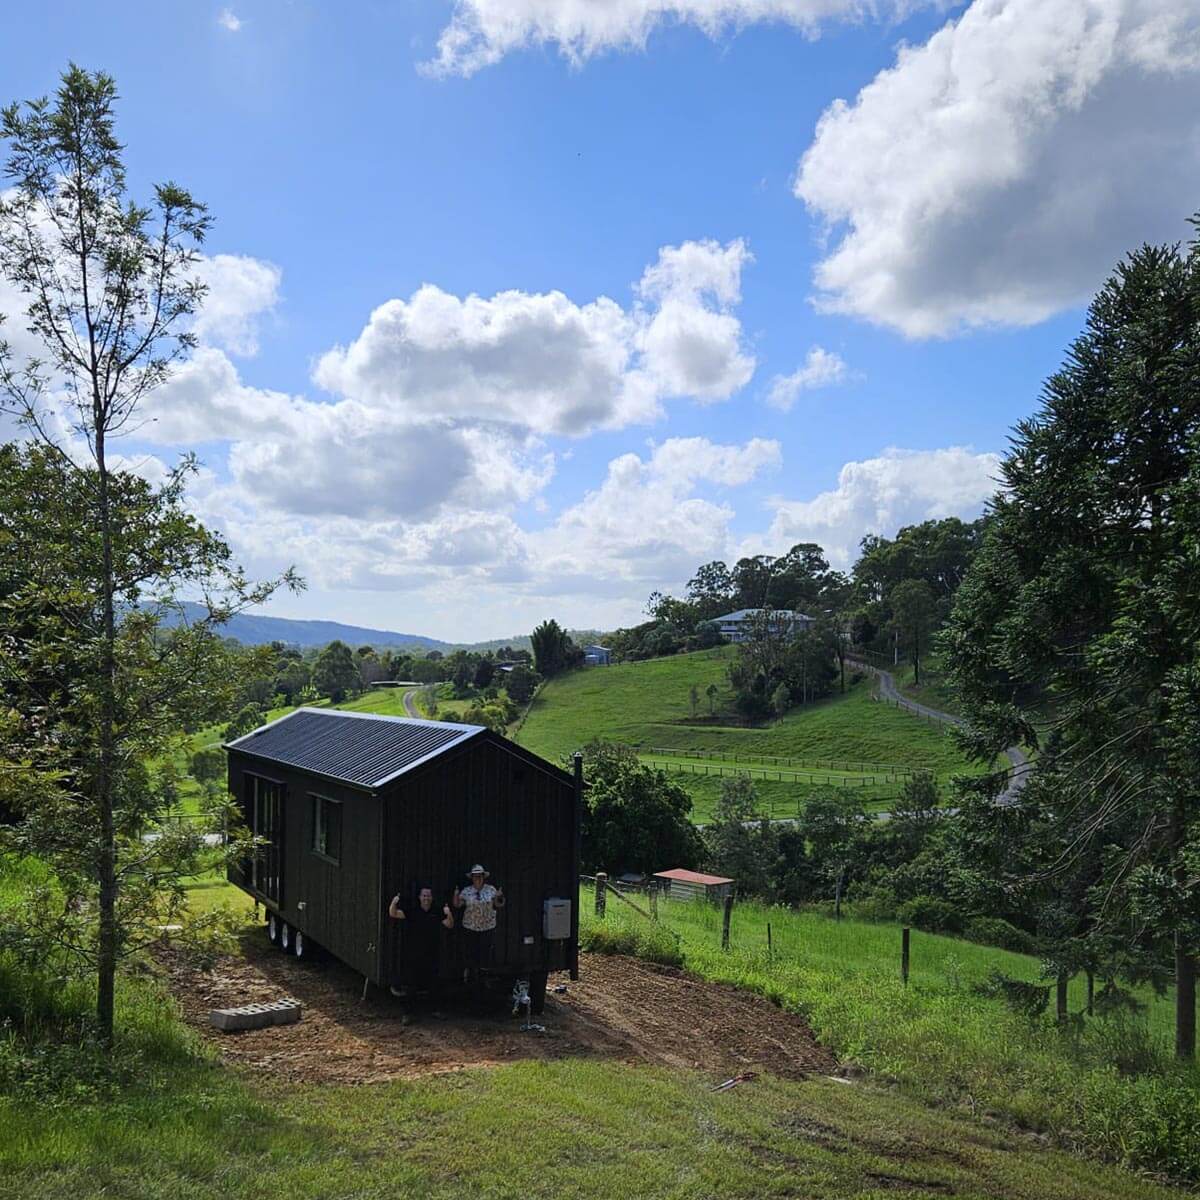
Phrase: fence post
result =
(652, 896)
(1060, 997)
(1091, 992)
(904, 940)
(770, 949)
(601, 889)
(725, 921)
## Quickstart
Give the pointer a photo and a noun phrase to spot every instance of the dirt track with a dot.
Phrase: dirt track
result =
(621, 1008)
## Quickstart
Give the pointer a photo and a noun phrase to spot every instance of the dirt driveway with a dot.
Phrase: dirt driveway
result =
(621, 1008)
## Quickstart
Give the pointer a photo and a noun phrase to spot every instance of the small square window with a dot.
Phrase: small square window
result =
(327, 827)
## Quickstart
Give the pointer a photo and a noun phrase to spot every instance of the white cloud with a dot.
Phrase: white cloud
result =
(879, 495)
(996, 173)
(542, 362)
(240, 290)
(645, 524)
(206, 401)
(536, 360)
(822, 368)
(641, 528)
(482, 32)
(228, 21)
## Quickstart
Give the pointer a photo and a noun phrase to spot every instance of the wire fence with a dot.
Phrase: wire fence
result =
(779, 775)
(853, 766)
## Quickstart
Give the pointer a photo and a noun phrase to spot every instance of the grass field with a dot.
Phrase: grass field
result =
(646, 704)
(174, 1125)
(1105, 1085)
(776, 800)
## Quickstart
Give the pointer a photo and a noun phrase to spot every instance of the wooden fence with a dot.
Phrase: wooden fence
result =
(854, 766)
(653, 895)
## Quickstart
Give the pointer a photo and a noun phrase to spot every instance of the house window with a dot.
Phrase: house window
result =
(327, 827)
(264, 817)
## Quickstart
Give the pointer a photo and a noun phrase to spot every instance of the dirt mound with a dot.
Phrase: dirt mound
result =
(620, 1008)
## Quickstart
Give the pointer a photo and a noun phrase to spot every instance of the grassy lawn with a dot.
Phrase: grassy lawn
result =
(642, 704)
(1108, 1086)
(567, 1129)
(181, 1127)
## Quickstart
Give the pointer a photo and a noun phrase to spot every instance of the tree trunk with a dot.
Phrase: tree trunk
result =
(106, 964)
(1060, 998)
(1091, 992)
(1185, 1001)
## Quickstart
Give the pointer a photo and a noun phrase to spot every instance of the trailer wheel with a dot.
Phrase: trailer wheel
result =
(285, 937)
(273, 924)
(537, 993)
(305, 947)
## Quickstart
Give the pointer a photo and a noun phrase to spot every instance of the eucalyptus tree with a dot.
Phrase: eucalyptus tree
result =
(96, 660)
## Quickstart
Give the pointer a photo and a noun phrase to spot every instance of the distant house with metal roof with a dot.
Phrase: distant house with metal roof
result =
(679, 884)
(597, 656)
(351, 809)
(741, 626)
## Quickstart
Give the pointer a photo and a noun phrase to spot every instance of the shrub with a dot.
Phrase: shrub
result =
(995, 931)
(932, 914)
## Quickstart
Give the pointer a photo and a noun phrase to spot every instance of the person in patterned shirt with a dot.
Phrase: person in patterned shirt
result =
(480, 902)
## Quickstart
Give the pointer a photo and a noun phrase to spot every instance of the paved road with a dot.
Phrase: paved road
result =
(410, 703)
(1019, 763)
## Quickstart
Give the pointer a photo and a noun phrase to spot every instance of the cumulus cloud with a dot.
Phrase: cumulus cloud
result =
(642, 527)
(879, 495)
(240, 290)
(542, 362)
(481, 32)
(645, 523)
(996, 173)
(822, 368)
(228, 21)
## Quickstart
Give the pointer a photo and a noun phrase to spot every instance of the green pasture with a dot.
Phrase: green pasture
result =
(1105, 1085)
(646, 705)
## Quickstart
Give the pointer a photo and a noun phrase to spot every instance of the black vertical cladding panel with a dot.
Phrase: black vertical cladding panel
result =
(484, 803)
(340, 899)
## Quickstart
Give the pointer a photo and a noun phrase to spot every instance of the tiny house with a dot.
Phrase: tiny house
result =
(351, 809)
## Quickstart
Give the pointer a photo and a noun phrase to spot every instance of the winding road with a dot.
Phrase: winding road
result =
(1019, 762)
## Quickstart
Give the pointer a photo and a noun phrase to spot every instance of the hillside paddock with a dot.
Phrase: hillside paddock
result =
(616, 1097)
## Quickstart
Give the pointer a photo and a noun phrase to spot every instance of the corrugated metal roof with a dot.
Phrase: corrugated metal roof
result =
(363, 749)
(692, 877)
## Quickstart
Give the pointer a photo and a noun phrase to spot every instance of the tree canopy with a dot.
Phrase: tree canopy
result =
(1077, 629)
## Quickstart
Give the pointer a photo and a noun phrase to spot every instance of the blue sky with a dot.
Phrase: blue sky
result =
(747, 272)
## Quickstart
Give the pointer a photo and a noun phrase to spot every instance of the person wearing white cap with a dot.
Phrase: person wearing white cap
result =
(479, 900)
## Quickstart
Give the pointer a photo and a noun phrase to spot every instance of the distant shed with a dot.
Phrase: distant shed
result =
(353, 808)
(693, 885)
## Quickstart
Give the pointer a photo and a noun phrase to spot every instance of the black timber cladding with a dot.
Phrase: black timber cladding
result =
(360, 749)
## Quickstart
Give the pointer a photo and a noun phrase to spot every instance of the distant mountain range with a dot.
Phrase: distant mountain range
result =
(253, 630)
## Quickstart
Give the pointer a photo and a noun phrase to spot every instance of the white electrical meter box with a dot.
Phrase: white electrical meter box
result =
(556, 919)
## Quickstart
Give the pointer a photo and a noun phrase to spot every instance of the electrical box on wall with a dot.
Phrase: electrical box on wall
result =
(556, 919)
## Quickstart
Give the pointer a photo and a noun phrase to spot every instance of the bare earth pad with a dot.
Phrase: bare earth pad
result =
(621, 1008)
